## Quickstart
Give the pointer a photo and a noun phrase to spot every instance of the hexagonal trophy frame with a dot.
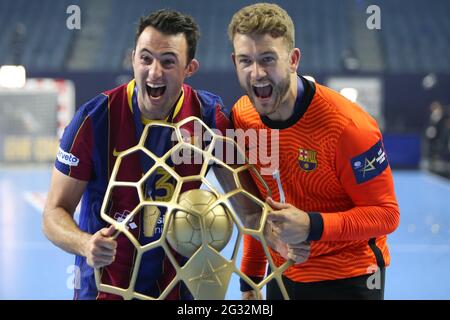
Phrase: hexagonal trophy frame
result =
(206, 273)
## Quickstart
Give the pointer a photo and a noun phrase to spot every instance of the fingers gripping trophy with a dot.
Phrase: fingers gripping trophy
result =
(197, 223)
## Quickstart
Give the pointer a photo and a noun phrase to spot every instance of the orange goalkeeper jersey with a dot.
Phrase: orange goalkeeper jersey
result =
(332, 165)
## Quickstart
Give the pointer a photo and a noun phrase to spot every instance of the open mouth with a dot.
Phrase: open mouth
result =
(156, 90)
(263, 90)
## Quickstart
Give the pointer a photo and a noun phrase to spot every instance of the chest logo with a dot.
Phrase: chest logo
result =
(307, 159)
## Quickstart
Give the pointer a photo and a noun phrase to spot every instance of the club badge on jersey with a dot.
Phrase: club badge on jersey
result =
(307, 159)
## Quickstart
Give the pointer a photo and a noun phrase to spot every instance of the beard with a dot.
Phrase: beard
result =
(279, 91)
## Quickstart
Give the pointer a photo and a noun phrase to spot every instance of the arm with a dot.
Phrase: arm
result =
(370, 186)
(61, 229)
(375, 212)
(253, 264)
(58, 224)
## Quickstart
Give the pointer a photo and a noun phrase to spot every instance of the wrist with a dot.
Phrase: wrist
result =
(315, 226)
(83, 244)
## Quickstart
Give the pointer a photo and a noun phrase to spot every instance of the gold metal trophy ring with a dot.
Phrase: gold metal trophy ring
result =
(207, 272)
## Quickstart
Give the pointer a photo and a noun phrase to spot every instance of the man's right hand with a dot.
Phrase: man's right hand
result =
(101, 248)
(252, 295)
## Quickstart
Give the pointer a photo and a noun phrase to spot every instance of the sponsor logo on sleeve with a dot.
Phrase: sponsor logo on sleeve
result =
(67, 158)
(369, 164)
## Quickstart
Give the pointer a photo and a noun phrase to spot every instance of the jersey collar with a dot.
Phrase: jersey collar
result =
(132, 99)
(305, 93)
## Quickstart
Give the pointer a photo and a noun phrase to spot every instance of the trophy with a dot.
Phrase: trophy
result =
(198, 223)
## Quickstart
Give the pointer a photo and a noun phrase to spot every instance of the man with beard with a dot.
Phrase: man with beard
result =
(164, 55)
(333, 189)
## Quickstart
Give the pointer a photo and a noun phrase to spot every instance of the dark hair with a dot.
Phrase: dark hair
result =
(172, 22)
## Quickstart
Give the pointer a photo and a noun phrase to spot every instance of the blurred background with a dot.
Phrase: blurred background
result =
(397, 67)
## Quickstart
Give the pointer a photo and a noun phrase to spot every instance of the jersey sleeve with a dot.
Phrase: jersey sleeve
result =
(217, 117)
(223, 121)
(253, 263)
(363, 169)
(234, 117)
(74, 157)
(214, 112)
(253, 258)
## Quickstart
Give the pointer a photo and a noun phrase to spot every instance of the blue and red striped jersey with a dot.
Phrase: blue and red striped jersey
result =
(102, 128)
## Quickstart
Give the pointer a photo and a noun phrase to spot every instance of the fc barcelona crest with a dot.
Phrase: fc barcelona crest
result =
(307, 159)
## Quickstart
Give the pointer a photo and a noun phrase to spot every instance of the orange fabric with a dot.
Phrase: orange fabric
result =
(337, 130)
(253, 260)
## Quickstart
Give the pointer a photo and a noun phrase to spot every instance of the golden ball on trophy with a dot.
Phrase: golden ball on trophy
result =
(184, 234)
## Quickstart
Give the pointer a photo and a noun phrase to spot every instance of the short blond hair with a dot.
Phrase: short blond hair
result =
(263, 18)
